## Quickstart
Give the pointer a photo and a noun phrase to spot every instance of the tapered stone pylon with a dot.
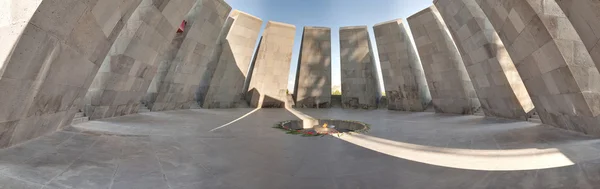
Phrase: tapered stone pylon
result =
(495, 78)
(403, 76)
(449, 83)
(552, 60)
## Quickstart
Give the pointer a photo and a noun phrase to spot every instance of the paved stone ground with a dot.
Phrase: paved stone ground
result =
(177, 150)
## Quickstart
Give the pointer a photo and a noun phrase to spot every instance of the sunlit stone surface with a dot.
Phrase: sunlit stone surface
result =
(268, 85)
(313, 76)
(585, 17)
(234, 57)
(359, 79)
(495, 78)
(449, 83)
(552, 60)
(405, 84)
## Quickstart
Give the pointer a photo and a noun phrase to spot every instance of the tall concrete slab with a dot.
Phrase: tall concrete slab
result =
(234, 56)
(49, 54)
(359, 79)
(449, 83)
(313, 76)
(403, 76)
(177, 89)
(496, 80)
(268, 84)
(585, 17)
(130, 66)
(552, 60)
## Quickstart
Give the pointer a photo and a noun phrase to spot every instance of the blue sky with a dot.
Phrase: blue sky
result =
(329, 13)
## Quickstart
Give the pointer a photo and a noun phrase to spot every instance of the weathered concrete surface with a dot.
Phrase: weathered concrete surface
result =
(49, 54)
(313, 76)
(404, 79)
(495, 78)
(552, 60)
(130, 66)
(359, 80)
(234, 58)
(177, 90)
(449, 83)
(585, 17)
(268, 85)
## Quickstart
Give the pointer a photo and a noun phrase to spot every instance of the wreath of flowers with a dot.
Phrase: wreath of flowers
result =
(312, 133)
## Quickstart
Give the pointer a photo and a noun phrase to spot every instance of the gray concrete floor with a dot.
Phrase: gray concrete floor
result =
(177, 150)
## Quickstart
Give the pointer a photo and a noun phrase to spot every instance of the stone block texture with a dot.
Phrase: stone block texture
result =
(495, 78)
(585, 17)
(449, 83)
(49, 54)
(268, 84)
(313, 76)
(177, 89)
(359, 79)
(132, 62)
(234, 55)
(403, 76)
(552, 60)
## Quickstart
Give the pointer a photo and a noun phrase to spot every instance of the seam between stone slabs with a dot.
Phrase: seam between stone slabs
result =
(71, 164)
(119, 158)
(29, 182)
(162, 171)
(44, 152)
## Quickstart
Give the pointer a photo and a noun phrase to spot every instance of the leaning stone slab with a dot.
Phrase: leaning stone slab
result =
(496, 80)
(313, 76)
(449, 83)
(130, 66)
(50, 52)
(192, 63)
(359, 79)
(552, 60)
(268, 85)
(234, 55)
(404, 79)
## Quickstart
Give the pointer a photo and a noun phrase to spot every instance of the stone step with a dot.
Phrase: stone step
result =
(195, 106)
(479, 113)
(79, 120)
(142, 108)
(79, 114)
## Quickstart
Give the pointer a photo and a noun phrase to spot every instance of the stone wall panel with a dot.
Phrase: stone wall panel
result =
(268, 83)
(234, 55)
(552, 59)
(51, 51)
(359, 80)
(313, 76)
(404, 79)
(501, 92)
(449, 83)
